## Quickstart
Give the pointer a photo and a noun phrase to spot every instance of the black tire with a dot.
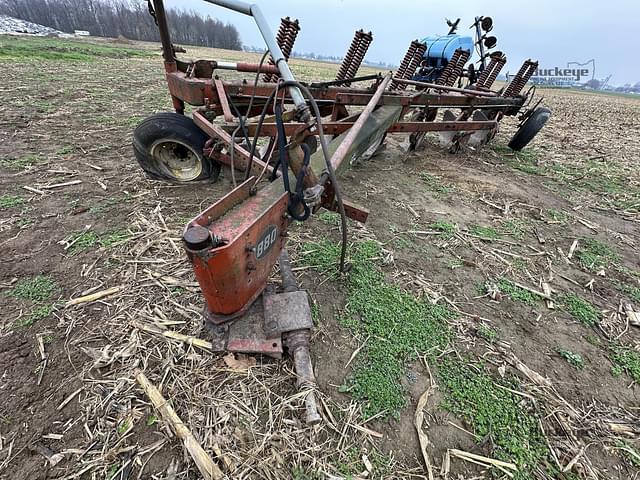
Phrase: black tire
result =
(169, 147)
(530, 128)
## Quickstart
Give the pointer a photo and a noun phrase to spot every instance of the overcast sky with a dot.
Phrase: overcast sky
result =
(553, 32)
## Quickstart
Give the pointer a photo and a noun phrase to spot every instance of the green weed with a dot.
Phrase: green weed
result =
(593, 339)
(593, 254)
(66, 150)
(488, 233)
(89, 239)
(123, 426)
(630, 454)
(632, 291)
(83, 241)
(557, 216)
(25, 221)
(455, 263)
(580, 309)
(488, 333)
(300, 473)
(435, 184)
(36, 289)
(448, 229)
(516, 228)
(114, 238)
(23, 162)
(626, 360)
(525, 161)
(506, 419)
(328, 218)
(151, 420)
(394, 323)
(574, 359)
(514, 292)
(38, 313)
(105, 205)
(10, 201)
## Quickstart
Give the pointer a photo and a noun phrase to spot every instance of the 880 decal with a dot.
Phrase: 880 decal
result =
(266, 241)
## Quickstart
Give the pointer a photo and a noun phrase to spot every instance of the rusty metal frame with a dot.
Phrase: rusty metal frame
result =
(225, 242)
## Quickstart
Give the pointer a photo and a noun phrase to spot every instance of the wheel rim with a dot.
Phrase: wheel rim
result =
(177, 159)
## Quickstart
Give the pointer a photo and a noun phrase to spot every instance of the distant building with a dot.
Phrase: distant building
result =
(81, 33)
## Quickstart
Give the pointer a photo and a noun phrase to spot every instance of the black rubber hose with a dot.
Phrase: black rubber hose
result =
(325, 152)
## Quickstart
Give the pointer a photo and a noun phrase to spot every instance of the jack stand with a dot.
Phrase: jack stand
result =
(275, 322)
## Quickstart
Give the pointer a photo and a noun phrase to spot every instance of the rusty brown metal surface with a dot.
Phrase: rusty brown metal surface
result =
(350, 70)
(224, 101)
(339, 155)
(445, 88)
(409, 64)
(241, 156)
(255, 67)
(336, 128)
(454, 68)
(286, 37)
(522, 77)
(196, 91)
(249, 233)
(491, 72)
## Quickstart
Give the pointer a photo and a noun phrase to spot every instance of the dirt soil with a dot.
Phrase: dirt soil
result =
(69, 406)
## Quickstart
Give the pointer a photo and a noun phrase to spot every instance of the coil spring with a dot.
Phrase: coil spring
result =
(361, 51)
(286, 37)
(495, 72)
(450, 68)
(348, 58)
(293, 27)
(404, 65)
(418, 57)
(490, 73)
(458, 68)
(521, 78)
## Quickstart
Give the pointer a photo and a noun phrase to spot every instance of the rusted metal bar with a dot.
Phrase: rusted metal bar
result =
(446, 88)
(430, 100)
(254, 11)
(244, 67)
(336, 128)
(163, 27)
(339, 155)
(241, 156)
(167, 51)
(297, 342)
(224, 101)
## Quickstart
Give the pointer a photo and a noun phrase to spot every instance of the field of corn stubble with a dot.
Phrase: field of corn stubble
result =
(490, 314)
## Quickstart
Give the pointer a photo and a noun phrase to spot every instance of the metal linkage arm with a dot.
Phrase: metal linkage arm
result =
(254, 11)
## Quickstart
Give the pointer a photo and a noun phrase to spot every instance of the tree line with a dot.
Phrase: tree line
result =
(128, 18)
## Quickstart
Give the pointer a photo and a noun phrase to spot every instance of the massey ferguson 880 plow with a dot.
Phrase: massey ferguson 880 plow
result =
(287, 142)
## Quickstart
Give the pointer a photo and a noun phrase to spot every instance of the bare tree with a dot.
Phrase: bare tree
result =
(129, 18)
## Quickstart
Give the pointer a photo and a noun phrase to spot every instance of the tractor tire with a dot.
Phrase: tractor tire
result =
(530, 128)
(169, 147)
